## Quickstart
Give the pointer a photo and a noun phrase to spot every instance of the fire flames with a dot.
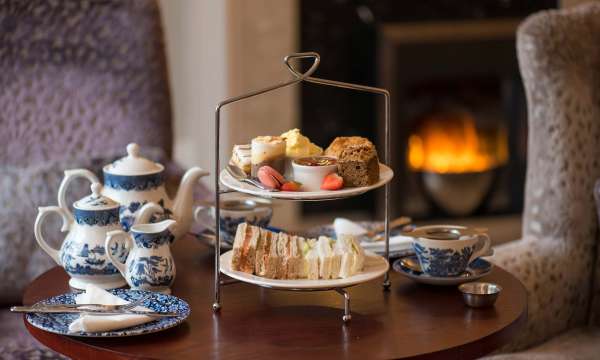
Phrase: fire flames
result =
(451, 143)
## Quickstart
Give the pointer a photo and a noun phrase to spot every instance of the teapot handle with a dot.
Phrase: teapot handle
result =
(70, 175)
(43, 212)
(111, 236)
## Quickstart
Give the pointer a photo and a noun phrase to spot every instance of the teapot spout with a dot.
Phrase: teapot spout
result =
(182, 207)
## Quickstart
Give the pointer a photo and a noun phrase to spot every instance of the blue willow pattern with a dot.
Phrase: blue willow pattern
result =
(443, 262)
(127, 213)
(96, 217)
(85, 261)
(228, 225)
(153, 241)
(151, 270)
(59, 322)
(136, 182)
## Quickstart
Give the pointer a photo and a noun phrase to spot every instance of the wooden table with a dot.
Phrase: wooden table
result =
(410, 320)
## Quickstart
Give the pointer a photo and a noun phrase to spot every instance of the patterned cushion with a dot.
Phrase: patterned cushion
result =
(559, 58)
(81, 78)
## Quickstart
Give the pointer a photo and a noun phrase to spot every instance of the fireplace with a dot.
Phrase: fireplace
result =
(458, 107)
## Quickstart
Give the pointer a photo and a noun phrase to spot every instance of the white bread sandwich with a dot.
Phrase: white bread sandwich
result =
(294, 258)
(359, 256)
(352, 255)
(310, 260)
(336, 260)
(325, 257)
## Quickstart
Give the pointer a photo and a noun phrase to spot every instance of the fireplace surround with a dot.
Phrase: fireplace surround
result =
(431, 57)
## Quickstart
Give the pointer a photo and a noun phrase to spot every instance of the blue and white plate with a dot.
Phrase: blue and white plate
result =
(58, 323)
(476, 270)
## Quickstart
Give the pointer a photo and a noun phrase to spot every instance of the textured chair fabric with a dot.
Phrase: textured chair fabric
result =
(559, 58)
(595, 305)
(80, 78)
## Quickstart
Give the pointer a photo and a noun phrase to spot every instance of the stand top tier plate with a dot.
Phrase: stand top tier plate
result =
(385, 175)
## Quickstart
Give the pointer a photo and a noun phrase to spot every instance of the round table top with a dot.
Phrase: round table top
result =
(409, 320)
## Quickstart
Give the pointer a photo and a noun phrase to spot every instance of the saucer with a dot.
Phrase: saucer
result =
(476, 270)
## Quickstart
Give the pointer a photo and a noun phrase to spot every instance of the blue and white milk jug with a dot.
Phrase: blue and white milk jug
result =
(149, 265)
(82, 253)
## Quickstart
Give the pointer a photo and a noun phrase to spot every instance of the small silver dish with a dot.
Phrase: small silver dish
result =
(480, 294)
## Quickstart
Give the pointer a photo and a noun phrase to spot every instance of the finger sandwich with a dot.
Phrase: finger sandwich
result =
(282, 256)
(244, 248)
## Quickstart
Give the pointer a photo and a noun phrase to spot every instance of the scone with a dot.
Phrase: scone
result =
(358, 163)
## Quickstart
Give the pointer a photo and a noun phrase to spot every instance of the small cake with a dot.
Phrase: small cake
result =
(297, 146)
(358, 163)
(241, 157)
(267, 150)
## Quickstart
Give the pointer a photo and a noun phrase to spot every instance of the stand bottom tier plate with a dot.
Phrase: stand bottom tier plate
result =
(375, 266)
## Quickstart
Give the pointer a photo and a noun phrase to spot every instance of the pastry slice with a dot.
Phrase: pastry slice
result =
(282, 240)
(325, 257)
(241, 157)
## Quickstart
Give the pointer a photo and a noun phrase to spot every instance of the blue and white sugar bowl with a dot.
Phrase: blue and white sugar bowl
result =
(447, 250)
(82, 253)
(149, 265)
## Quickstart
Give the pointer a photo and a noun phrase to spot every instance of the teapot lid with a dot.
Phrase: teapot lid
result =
(133, 164)
(95, 201)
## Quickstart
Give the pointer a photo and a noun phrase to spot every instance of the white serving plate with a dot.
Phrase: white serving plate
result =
(375, 266)
(385, 175)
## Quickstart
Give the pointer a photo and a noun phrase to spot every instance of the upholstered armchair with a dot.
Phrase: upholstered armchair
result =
(559, 58)
(79, 80)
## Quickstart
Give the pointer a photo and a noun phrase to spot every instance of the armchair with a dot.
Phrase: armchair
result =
(559, 58)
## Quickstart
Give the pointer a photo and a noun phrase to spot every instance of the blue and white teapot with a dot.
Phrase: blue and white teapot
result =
(149, 265)
(82, 253)
(133, 181)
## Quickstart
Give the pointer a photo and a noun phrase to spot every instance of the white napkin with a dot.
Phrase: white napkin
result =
(348, 227)
(98, 323)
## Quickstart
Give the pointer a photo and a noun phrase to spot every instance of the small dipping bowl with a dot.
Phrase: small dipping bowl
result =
(310, 171)
(480, 294)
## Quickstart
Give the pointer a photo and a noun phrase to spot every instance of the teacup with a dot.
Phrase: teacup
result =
(232, 213)
(447, 250)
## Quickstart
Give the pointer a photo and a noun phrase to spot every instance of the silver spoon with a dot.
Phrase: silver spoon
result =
(241, 176)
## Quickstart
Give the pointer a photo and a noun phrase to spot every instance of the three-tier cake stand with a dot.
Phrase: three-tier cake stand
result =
(298, 78)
